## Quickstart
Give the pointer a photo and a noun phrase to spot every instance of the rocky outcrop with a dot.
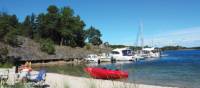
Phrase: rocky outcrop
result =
(30, 51)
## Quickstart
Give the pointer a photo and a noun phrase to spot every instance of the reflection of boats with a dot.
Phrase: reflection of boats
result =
(103, 73)
(138, 56)
(108, 63)
(92, 58)
(163, 55)
(123, 54)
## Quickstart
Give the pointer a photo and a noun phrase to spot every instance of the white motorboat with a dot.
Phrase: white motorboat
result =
(105, 57)
(92, 58)
(123, 54)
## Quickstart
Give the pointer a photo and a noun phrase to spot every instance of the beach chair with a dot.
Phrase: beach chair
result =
(39, 79)
(4, 76)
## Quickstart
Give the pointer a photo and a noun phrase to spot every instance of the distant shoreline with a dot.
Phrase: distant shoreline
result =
(181, 49)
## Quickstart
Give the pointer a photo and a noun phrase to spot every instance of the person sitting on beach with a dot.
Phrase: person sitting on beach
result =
(24, 72)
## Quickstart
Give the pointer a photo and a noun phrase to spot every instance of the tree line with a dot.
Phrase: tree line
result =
(57, 26)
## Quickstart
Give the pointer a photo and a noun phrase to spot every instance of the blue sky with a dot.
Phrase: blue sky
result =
(165, 22)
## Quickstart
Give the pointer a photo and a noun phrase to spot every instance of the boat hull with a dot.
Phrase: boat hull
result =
(101, 73)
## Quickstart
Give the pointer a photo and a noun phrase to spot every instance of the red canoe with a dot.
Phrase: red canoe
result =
(102, 73)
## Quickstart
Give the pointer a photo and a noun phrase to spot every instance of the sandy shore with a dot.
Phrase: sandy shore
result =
(65, 81)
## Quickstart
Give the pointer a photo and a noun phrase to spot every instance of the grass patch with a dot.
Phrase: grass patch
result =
(68, 69)
(6, 65)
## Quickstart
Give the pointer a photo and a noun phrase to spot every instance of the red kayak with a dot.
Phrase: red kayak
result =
(103, 73)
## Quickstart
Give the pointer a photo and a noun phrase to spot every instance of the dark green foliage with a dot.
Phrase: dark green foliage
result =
(47, 46)
(11, 38)
(117, 46)
(136, 47)
(6, 65)
(106, 44)
(52, 9)
(172, 48)
(3, 52)
(5, 61)
(8, 29)
(194, 48)
(59, 26)
(88, 46)
(95, 41)
(27, 29)
(93, 35)
(7, 24)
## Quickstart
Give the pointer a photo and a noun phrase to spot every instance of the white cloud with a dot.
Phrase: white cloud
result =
(184, 37)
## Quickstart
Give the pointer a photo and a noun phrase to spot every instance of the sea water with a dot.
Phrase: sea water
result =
(180, 68)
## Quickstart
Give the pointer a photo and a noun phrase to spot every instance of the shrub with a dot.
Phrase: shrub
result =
(3, 55)
(4, 51)
(88, 46)
(47, 45)
(12, 38)
(5, 60)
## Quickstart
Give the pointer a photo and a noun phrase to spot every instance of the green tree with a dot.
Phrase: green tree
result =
(77, 26)
(93, 35)
(3, 55)
(27, 27)
(14, 21)
(52, 9)
(47, 45)
(8, 26)
(33, 25)
(96, 41)
(50, 24)
(40, 25)
(11, 38)
(59, 25)
(106, 44)
(70, 28)
(7, 23)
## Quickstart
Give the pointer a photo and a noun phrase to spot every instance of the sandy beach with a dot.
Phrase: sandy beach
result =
(54, 80)
(65, 81)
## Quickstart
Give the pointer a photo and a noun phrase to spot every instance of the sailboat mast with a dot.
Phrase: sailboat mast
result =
(141, 35)
(140, 38)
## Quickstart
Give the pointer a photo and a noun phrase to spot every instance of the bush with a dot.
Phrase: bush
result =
(88, 46)
(47, 45)
(5, 60)
(6, 65)
(4, 51)
(3, 55)
(12, 38)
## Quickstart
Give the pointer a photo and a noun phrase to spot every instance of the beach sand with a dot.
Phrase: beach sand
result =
(65, 81)
(54, 80)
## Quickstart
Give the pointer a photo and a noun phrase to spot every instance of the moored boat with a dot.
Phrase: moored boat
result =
(105, 57)
(103, 73)
(123, 54)
(92, 58)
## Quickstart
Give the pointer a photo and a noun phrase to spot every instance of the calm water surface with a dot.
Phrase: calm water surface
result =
(179, 68)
